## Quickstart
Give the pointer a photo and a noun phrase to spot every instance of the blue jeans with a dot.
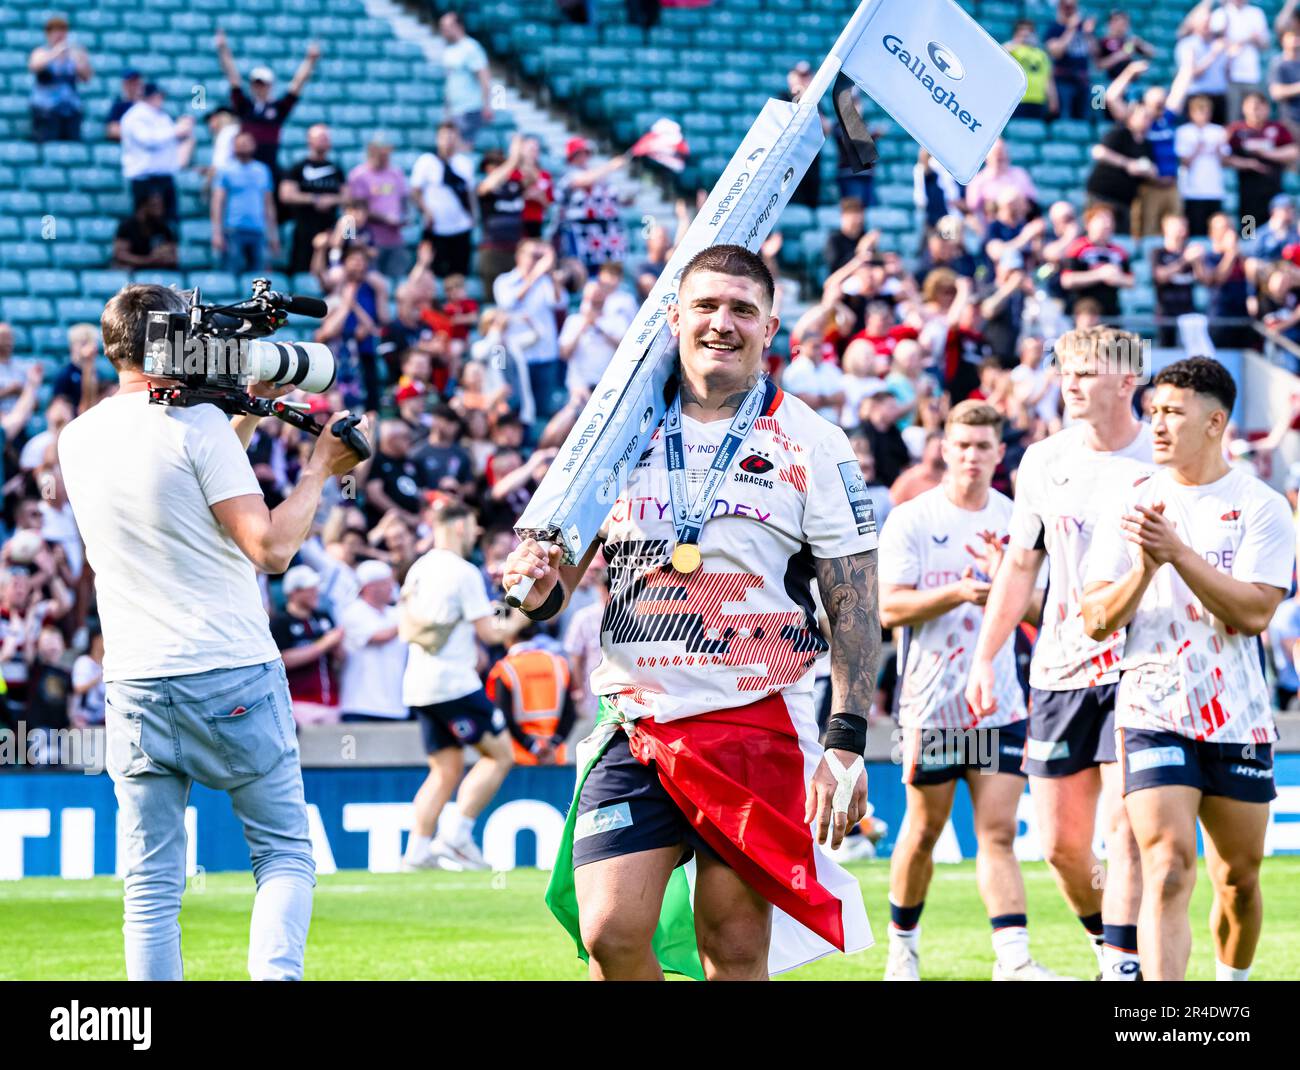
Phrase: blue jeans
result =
(245, 251)
(231, 730)
(550, 394)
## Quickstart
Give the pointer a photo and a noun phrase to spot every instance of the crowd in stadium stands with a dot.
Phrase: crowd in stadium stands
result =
(473, 399)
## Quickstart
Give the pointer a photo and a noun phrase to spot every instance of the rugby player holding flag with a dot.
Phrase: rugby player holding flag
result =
(707, 738)
(1194, 560)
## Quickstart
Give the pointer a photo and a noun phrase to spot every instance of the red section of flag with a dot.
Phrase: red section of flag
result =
(738, 776)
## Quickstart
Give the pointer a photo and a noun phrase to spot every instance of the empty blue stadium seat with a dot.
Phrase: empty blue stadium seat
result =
(25, 255)
(103, 284)
(30, 310)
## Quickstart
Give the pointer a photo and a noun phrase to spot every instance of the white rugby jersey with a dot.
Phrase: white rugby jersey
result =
(1061, 488)
(1183, 670)
(923, 545)
(742, 626)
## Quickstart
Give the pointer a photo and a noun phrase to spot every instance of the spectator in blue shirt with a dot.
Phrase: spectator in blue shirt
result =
(243, 211)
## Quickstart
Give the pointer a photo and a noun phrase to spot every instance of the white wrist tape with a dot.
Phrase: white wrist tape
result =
(845, 781)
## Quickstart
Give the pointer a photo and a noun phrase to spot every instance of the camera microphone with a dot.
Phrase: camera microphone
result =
(299, 304)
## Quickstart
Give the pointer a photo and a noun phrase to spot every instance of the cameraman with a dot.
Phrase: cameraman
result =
(174, 525)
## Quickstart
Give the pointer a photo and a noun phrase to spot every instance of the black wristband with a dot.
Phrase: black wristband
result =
(846, 731)
(549, 608)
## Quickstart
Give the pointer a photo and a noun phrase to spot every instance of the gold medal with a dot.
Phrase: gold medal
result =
(686, 557)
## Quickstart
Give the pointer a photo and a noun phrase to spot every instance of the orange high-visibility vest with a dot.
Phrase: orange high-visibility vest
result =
(539, 682)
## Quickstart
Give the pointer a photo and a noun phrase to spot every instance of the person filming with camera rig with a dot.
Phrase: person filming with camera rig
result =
(175, 528)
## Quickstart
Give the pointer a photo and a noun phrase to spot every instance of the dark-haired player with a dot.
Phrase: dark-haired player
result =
(1070, 750)
(707, 739)
(1194, 560)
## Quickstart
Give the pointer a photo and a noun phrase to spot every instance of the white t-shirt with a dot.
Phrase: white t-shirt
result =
(59, 525)
(86, 670)
(223, 147)
(1184, 671)
(445, 586)
(32, 456)
(1214, 79)
(743, 625)
(804, 376)
(532, 330)
(1202, 179)
(1242, 24)
(594, 348)
(924, 546)
(582, 638)
(462, 62)
(1061, 489)
(1028, 381)
(856, 387)
(13, 372)
(176, 594)
(449, 214)
(371, 681)
(149, 145)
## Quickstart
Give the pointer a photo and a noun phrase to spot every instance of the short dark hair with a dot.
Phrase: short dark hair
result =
(730, 260)
(452, 511)
(1205, 375)
(443, 411)
(851, 204)
(125, 320)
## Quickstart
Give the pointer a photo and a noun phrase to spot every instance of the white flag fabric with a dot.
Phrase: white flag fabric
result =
(940, 75)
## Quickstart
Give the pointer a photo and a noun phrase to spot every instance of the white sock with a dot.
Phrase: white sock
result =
(1011, 945)
(417, 846)
(1229, 973)
(1114, 965)
(911, 938)
(453, 826)
(1098, 949)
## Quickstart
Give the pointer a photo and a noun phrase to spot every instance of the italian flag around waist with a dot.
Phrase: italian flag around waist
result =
(740, 777)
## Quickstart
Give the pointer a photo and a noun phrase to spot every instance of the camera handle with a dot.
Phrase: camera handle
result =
(235, 402)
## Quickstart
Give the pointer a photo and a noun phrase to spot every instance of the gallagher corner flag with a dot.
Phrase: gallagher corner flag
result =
(933, 68)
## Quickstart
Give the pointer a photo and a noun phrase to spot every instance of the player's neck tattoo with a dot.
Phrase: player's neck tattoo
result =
(724, 403)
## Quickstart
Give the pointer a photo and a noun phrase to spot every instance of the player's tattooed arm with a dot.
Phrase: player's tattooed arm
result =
(851, 596)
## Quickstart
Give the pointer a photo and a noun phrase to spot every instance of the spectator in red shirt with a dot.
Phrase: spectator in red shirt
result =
(881, 333)
(1094, 266)
(310, 644)
(539, 190)
(461, 312)
(1260, 149)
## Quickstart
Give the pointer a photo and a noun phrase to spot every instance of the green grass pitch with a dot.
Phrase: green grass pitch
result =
(484, 926)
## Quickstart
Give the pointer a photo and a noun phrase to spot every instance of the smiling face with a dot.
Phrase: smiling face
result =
(1184, 425)
(723, 323)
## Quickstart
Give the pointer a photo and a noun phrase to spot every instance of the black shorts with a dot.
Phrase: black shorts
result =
(1070, 730)
(451, 252)
(462, 722)
(624, 809)
(1241, 771)
(934, 756)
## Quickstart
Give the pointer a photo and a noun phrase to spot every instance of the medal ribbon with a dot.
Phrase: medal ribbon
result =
(689, 517)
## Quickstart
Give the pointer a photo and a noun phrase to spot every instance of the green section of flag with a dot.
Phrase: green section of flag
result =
(674, 938)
